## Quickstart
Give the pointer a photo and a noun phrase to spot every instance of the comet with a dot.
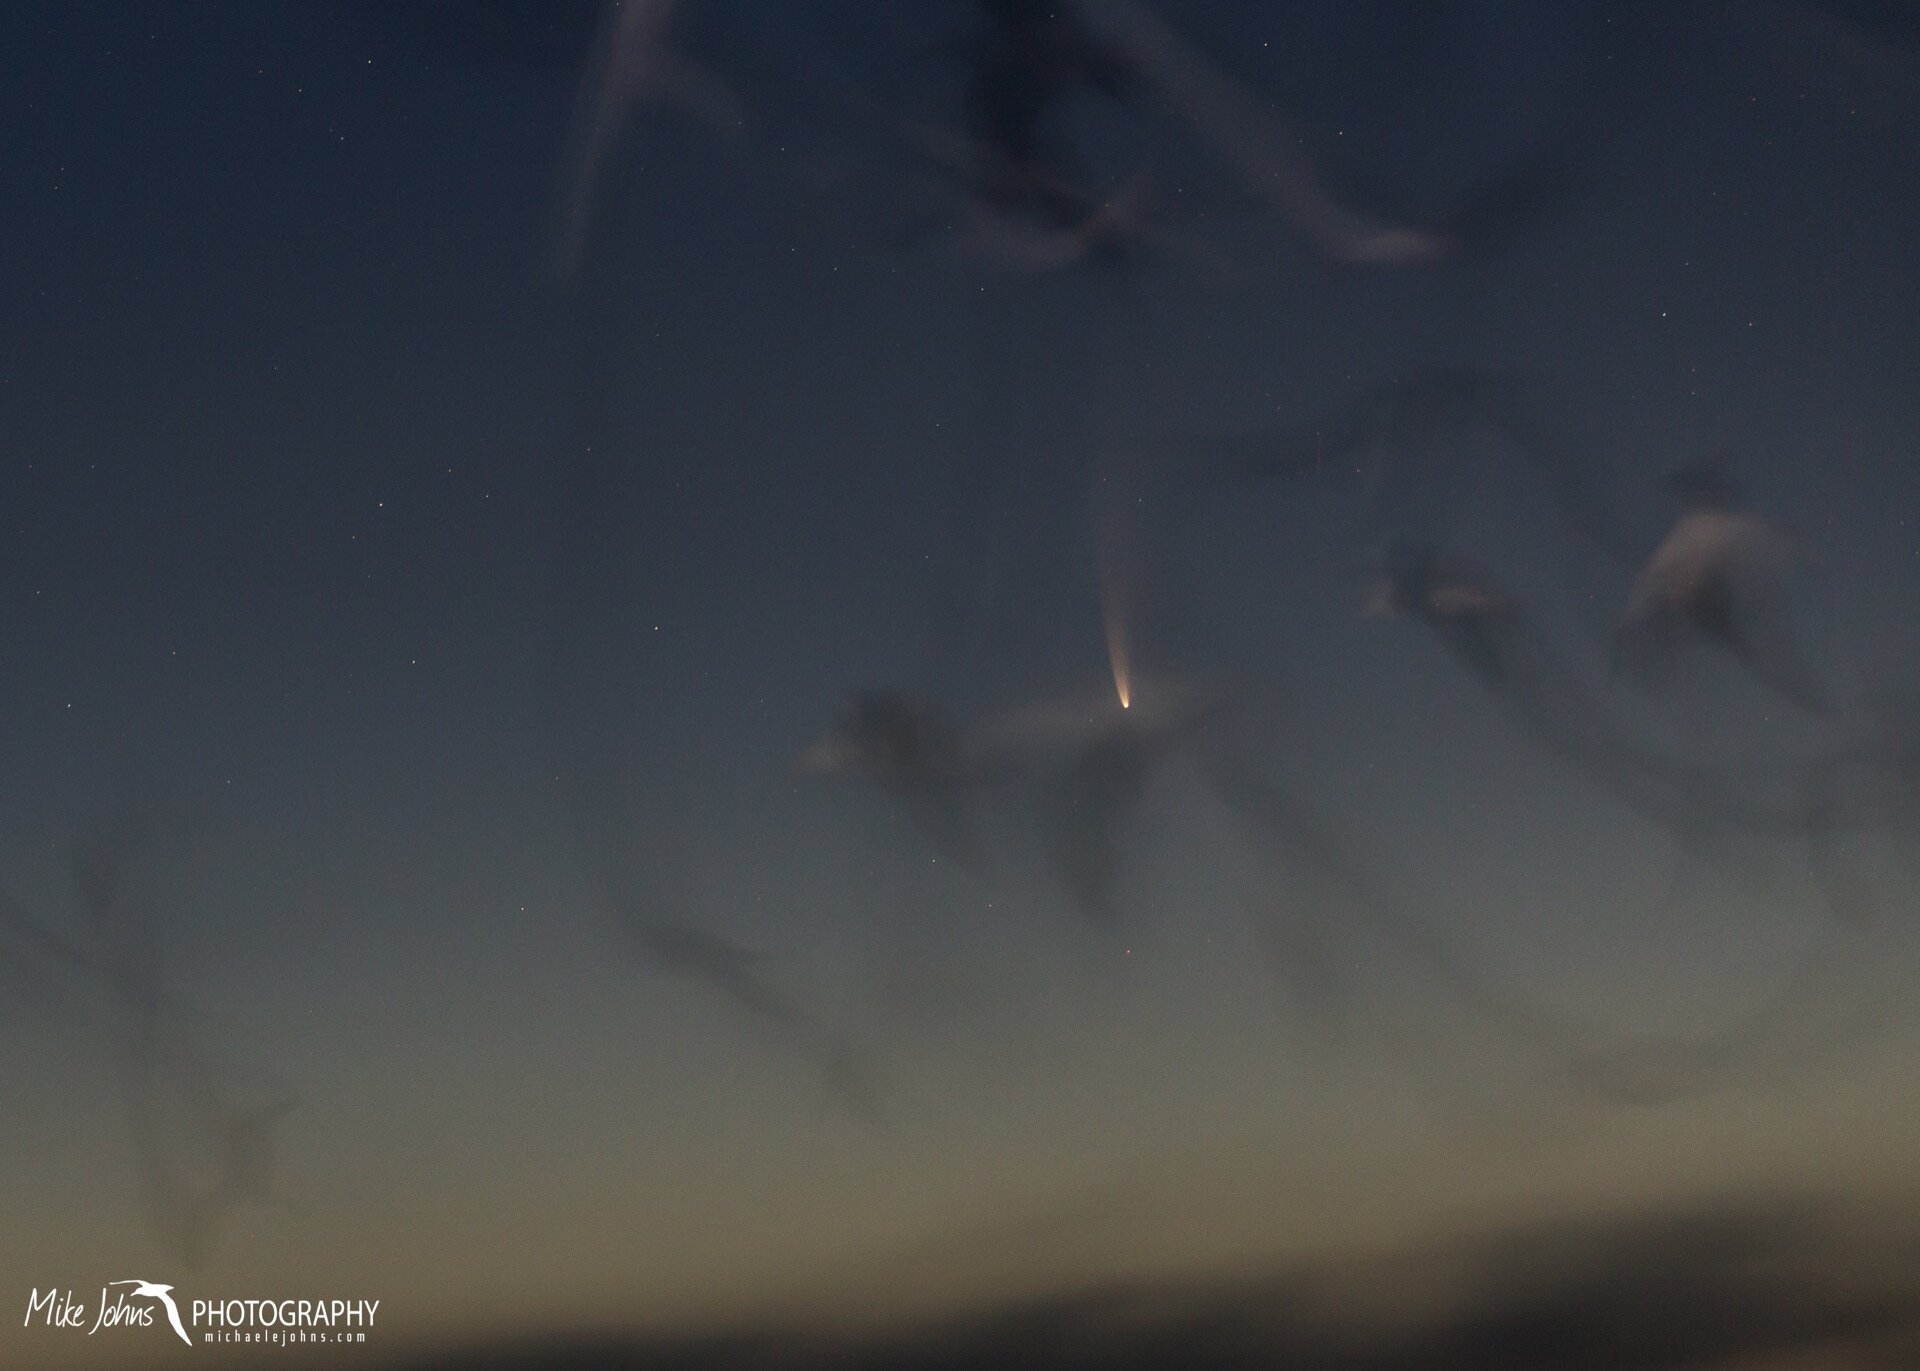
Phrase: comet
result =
(1118, 657)
(1111, 572)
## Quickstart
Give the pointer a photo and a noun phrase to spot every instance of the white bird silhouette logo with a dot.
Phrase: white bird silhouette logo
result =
(159, 1292)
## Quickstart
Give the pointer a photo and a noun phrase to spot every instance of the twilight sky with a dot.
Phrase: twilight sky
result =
(422, 622)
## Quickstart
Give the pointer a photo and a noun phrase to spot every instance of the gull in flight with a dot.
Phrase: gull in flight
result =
(200, 1149)
(1095, 756)
(892, 740)
(1718, 577)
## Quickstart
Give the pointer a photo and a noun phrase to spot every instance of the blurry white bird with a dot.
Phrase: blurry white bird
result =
(1719, 575)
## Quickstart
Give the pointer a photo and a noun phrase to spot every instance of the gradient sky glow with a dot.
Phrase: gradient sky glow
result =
(341, 528)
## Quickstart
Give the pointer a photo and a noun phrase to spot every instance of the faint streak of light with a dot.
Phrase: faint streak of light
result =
(1118, 656)
(627, 46)
(1113, 597)
(633, 60)
(1253, 139)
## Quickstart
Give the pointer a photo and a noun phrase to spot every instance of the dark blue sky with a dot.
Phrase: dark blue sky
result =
(458, 624)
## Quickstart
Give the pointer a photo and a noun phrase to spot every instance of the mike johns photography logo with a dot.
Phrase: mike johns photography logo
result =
(144, 1304)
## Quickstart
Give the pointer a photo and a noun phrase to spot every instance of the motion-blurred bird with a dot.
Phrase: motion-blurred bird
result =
(1023, 201)
(1718, 577)
(736, 972)
(1084, 809)
(1093, 758)
(888, 739)
(1413, 443)
(1491, 633)
(1456, 598)
(1251, 137)
(1027, 59)
(233, 1165)
(634, 60)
